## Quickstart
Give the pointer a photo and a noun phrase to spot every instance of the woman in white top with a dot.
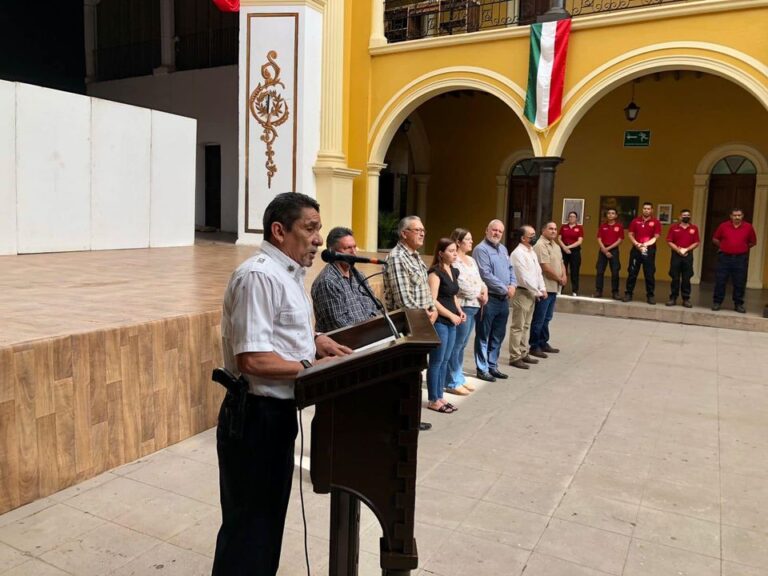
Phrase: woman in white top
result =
(473, 293)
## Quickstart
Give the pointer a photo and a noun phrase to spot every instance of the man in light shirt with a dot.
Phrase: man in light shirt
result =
(530, 289)
(551, 260)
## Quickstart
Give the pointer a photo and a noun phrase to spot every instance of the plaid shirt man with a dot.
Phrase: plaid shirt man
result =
(405, 281)
(339, 300)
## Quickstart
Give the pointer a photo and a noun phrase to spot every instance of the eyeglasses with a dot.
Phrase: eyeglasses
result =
(416, 230)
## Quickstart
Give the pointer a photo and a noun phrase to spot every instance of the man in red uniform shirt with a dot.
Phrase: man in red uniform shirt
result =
(643, 232)
(733, 240)
(683, 238)
(609, 236)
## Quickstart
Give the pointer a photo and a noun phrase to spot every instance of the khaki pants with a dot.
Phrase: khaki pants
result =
(523, 304)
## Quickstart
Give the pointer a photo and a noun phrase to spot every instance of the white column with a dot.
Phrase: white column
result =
(332, 92)
(372, 207)
(422, 189)
(377, 24)
(89, 16)
(167, 35)
(760, 223)
(699, 208)
(501, 197)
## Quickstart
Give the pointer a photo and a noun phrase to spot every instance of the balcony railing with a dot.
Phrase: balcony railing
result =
(409, 20)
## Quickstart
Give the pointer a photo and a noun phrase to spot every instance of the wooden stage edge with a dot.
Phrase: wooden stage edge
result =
(106, 357)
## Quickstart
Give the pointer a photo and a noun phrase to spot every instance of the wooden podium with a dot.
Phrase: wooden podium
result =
(365, 435)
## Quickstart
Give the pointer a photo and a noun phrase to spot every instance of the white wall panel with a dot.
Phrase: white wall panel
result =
(120, 176)
(7, 168)
(172, 211)
(53, 176)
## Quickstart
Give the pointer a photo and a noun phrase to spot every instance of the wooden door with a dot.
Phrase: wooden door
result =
(726, 191)
(521, 207)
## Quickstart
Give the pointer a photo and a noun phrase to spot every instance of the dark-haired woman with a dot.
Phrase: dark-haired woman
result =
(473, 293)
(444, 285)
(570, 238)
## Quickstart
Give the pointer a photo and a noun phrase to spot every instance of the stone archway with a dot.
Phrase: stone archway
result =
(759, 213)
(409, 98)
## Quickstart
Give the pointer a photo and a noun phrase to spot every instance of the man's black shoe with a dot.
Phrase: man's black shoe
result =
(687, 304)
(520, 364)
(627, 298)
(651, 300)
(548, 349)
(485, 376)
(538, 353)
(425, 426)
(498, 374)
(715, 307)
(529, 360)
(616, 296)
(740, 308)
(597, 295)
(671, 302)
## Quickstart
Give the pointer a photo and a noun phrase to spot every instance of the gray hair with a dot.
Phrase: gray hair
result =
(337, 234)
(406, 223)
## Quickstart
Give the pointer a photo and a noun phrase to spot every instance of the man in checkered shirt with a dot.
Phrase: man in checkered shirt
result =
(337, 293)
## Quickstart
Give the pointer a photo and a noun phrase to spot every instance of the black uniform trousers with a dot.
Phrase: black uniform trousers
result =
(681, 272)
(733, 266)
(572, 263)
(647, 262)
(602, 262)
(255, 475)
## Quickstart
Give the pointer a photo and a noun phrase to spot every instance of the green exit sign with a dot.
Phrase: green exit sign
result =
(637, 138)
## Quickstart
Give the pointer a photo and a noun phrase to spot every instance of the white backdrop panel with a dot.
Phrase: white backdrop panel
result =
(172, 210)
(270, 33)
(121, 144)
(53, 178)
(7, 168)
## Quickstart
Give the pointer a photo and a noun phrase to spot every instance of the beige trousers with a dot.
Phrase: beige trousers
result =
(523, 304)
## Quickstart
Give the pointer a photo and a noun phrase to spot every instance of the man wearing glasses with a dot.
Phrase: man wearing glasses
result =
(405, 280)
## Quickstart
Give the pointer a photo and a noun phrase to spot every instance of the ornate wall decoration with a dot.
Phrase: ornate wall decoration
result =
(270, 109)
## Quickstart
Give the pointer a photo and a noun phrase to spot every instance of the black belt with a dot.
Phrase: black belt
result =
(497, 296)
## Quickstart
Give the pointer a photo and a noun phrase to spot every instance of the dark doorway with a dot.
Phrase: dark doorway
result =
(731, 185)
(523, 195)
(213, 186)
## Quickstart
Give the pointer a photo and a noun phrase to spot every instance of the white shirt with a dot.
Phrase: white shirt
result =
(527, 269)
(267, 310)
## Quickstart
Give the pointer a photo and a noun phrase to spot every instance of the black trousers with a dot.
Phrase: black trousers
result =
(572, 263)
(681, 272)
(602, 262)
(733, 266)
(255, 475)
(647, 262)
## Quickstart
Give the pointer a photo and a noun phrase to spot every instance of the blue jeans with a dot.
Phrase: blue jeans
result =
(438, 361)
(455, 376)
(490, 332)
(542, 314)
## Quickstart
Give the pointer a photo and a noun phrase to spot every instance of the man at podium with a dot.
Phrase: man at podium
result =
(267, 337)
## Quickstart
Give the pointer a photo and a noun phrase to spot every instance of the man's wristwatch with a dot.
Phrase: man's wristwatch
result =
(306, 364)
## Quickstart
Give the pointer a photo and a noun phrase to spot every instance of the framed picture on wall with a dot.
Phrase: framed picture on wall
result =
(573, 205)
(625, 206)
(664, 213)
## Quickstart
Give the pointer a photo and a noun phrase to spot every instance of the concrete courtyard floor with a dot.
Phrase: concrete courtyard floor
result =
(640, 449)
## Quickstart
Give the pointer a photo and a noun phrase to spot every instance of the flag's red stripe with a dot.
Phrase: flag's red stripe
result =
(227, 5)
(558, 70)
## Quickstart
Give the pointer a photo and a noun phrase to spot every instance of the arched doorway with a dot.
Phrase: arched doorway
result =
(732, 184)
(523, 193)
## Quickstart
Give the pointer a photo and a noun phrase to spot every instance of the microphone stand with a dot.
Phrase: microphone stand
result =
(379, 306)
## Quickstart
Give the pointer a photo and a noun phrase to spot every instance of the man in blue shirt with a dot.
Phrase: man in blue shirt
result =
(498, 274)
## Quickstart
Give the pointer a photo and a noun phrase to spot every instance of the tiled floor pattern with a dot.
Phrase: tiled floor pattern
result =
(640, 450)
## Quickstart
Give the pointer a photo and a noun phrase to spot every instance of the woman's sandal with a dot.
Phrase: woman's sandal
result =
(443, 408)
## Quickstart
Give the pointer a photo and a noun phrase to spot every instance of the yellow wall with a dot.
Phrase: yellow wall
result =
(687, 118)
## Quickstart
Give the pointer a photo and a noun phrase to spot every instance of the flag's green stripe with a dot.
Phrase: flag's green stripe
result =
(533, 71)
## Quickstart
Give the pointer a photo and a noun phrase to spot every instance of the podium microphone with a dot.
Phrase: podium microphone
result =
(329, 256)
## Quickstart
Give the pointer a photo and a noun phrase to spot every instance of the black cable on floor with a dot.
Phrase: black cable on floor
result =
(301, 492)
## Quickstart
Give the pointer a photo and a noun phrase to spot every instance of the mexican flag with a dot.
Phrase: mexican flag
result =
(546, 72)
(227, 5)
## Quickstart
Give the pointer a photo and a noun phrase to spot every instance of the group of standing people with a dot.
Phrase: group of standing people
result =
(733, 239)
